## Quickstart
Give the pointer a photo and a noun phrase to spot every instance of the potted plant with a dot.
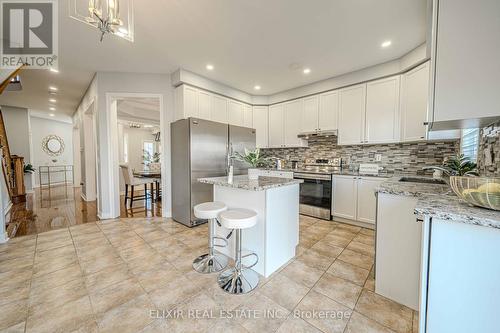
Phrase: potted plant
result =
(458, 165)
(254, 159)
(28, 168)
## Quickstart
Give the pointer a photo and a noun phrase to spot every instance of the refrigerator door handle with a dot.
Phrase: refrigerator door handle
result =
(228, 157)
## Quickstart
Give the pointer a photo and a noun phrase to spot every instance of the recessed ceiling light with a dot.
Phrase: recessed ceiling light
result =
(52, 108)
(387, 43)
(210, 67)
(257, 87)
(52, 115)
(52, 100)
(53, 70)
(53, 88)
(306, 70)
(148, 126)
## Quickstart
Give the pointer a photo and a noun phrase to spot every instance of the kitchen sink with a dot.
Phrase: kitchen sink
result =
(422, 180)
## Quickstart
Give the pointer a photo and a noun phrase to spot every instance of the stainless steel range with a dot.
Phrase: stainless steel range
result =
(316, 190)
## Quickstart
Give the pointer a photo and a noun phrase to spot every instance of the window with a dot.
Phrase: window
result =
(469, 145)
(148, 148)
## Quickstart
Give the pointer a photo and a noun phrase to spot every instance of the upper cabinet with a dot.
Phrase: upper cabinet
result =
(219, 109)
(310, 114)
(382, 111)
(260, 121)
(204, 104)
(352, 107)
(235, 113)
(466, 69)
(414, 103)
(276, 123)
(328, 111)
(248, 116)
(292, 116)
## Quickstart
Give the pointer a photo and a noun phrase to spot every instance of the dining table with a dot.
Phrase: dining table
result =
(155, 175)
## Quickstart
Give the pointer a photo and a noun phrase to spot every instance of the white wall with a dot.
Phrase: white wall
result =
(17, 126)
(40, 128)
(102, 89)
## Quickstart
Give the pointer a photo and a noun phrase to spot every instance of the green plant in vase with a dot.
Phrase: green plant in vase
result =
(253, 158)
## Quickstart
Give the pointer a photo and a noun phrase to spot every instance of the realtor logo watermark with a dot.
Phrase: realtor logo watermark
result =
(29, 33)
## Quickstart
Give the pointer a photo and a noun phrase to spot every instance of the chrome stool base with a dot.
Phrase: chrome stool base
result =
(207, 263)
(237, 282)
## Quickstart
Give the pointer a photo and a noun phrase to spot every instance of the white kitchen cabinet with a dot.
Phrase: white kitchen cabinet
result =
(247, 116)
(328, 111)
(310, 114)
(219, 109)
(366, 201)
(261, 124)
(292, 115)
(190, 102)
(276, 122)
(414, 103)
(204, 104)
(382, 111)
(235, 113)
(344, 197)
(352, 106)
(466, 53)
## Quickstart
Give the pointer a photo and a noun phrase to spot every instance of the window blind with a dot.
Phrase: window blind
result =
(469, 145)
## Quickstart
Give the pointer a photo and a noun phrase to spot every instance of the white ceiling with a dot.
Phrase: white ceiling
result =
(248, 42)
(139, 110)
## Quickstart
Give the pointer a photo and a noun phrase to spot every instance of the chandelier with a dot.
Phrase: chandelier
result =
(108, 16)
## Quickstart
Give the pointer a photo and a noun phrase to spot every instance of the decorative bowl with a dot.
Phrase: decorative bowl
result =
(478, 191)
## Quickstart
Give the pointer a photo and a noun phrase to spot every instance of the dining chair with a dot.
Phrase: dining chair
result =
(132, 181)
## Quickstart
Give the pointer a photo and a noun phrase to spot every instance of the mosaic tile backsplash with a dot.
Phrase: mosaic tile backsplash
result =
(489, 151)
(398, 157)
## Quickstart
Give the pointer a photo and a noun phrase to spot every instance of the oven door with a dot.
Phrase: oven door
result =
(315, 195)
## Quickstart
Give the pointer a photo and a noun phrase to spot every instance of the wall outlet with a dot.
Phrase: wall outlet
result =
(378, 157)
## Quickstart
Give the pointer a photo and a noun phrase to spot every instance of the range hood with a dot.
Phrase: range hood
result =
(308, 135)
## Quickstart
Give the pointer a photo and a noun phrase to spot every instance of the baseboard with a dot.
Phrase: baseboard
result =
(353, 222)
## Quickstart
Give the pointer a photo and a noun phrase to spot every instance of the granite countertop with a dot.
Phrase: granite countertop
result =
(452, 208)
(242, 182)
(440, 202)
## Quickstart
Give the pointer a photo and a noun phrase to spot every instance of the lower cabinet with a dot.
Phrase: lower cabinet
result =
(354, 198)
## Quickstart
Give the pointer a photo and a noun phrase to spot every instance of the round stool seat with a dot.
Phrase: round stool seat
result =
(209, 210)
(238, 218)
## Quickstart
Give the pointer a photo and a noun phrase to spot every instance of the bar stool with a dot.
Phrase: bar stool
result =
(210, 262)
(239, 279)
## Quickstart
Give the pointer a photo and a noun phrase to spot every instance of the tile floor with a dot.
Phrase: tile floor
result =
(134, 275)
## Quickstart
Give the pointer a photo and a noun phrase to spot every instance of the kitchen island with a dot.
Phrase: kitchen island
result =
(276, 201)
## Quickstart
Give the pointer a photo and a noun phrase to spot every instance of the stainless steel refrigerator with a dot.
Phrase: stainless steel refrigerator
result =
(202, 148)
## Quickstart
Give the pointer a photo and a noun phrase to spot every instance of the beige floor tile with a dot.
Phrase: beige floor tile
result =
(95, 252)
(57, 278)
(202, 281)
(13, 313)
(299, 272)
(199, 314)
(131, 253)
(337, 315)
(284, 291)
(17, 264)
(14, 278)
(324, 249)
(14, 291)
(349, 227)
(225, 301)
(157, 278)
(82, 229)
(338, 289)
(17, 328)
(370, 284)
(177, 291)
(164, 243)
(368, 232)
(367, 250)
(227, 326)
(128, 317)
(53, 244)
(415, 322)
(336, 240)
(360, 324)
(356, 259)
(100, 263)
(53, 264)
(257, 306)
(343, 233)
(315, 260)
(107, 277)
(142, 264)
(114, 295)
(292, 325)
(157, 326)
(349, 272)
(41, 300)
(48, 255)
(67, 318)
(384, 311)
(14, 253)
(365, 239)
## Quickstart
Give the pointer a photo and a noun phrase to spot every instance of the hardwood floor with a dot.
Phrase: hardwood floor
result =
(64, 207)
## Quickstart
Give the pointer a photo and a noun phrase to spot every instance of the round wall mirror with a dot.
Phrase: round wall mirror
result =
(53, 145)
